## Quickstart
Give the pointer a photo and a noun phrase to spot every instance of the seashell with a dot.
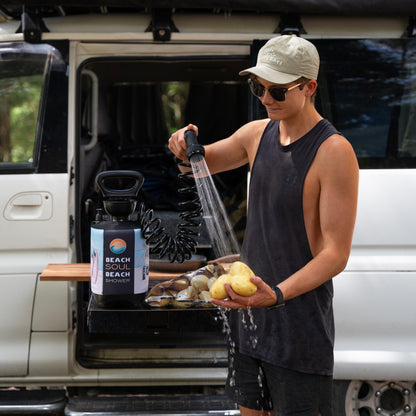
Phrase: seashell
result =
(165, 301)
(157, 290)
(200, 282)
(205, 296)
(185, 298)
(219, 269)
(211, 281)
(183, 303)
(179, 284)
(159, 300)
(153, 301)
(188, 293)
(209, 271)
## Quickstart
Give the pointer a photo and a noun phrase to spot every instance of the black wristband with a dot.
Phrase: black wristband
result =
(279, 296)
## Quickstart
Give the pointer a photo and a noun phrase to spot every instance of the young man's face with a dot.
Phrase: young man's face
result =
(280, 100)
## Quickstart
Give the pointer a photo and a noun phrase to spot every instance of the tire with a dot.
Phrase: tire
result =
(338, 397)
(373, 398)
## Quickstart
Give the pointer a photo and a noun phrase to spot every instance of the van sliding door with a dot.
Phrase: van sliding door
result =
(34, 185)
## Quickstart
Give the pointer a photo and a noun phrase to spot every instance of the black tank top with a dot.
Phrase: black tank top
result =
(300, 335)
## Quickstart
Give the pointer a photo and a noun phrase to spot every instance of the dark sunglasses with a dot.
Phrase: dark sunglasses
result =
(277, 93)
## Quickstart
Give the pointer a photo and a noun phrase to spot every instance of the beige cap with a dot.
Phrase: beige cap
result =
(284, 59)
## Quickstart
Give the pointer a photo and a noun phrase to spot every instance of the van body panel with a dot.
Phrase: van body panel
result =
(382, 240)
(49, 354)
(143, 50)
(374, 317)
(16, 308)
(51, 296)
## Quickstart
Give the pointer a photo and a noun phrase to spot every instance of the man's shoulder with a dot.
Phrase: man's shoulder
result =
(249, 136)
(337, 150)
(253, 129)
(258, 124)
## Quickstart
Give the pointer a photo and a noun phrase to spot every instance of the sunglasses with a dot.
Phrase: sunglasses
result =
(277, 93)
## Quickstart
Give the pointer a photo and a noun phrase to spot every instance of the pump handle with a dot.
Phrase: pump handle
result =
(128, 183)
(194, 148)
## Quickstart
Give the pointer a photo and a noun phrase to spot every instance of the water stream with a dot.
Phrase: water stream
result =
(219, 228)
(224, 243)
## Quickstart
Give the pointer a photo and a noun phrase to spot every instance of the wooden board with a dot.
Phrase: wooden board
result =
(80, 272)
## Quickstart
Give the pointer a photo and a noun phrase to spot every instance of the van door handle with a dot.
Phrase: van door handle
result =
(29, 206)
(27, 200)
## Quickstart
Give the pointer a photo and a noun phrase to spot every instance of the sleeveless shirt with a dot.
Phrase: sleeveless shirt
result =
(299, 335)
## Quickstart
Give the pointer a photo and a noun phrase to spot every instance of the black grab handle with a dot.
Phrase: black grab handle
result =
(124, 188)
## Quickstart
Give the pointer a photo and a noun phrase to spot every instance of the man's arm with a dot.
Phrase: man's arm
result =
(227, 154)
(338, 172)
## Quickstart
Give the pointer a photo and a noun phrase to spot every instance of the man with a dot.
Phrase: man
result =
(301, 215)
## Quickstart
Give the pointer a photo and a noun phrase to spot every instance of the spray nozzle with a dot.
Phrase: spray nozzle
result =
(194, 148)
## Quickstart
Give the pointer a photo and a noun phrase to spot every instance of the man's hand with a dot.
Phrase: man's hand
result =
(177, 143)
(263, 297)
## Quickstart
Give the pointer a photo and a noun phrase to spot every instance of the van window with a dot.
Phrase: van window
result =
(24, 76)
(367, 88)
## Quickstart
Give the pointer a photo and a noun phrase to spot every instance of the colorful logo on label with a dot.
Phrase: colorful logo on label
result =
(118, 246)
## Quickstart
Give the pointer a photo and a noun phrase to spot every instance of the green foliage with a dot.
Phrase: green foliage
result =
(19, 107)
(174, 96)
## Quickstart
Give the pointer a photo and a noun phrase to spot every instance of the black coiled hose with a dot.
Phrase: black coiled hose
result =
(180, 247)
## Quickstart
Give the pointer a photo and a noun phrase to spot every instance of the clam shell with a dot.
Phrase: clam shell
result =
(211, 282)
(186, 294)
(205, 296)
(179, 284)
(200, 282)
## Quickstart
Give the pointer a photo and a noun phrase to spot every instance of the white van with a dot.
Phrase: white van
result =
(85, 89)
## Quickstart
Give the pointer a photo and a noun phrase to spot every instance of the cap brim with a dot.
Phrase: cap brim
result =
(270, 75)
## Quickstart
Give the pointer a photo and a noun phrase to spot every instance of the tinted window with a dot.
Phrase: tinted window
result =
(367, 88)
(27, 75)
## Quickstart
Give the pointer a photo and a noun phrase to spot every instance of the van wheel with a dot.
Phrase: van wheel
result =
(372, 398)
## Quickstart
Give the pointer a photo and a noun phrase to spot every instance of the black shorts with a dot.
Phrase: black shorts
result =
(258, 385)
